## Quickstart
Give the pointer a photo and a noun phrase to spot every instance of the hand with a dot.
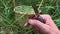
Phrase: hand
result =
(48, 28)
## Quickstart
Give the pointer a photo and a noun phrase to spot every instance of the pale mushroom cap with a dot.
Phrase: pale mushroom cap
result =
(24, 10)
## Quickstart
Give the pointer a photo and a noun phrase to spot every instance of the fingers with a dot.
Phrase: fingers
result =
(37, 25)
(34, 22)
(49, 20)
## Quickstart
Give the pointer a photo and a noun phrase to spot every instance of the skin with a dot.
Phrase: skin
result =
(48, 28)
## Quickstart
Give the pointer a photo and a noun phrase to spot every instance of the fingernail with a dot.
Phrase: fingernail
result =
(31, 21)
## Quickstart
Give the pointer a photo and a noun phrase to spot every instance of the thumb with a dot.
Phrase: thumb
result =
(30, 22)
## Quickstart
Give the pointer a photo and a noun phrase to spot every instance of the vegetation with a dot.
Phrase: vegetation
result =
(12, 22)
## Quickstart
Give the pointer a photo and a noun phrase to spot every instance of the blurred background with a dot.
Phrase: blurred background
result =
(12, 21)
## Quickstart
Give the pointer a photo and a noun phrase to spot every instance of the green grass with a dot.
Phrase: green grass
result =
(12, 23)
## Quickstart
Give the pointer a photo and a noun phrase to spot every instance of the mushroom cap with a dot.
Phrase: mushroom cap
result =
(24, 10)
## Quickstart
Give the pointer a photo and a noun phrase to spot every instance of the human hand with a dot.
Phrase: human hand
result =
(48, 28)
